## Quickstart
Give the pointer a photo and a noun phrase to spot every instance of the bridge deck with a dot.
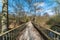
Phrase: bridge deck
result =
(30, 33)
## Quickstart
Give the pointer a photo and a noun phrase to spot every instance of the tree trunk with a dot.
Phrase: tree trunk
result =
(4, 15)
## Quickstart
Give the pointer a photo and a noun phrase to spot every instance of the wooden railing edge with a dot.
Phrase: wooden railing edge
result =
(43, 33)
(52, 30)
(10, 30)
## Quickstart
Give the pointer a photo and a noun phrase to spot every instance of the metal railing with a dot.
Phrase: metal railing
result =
(49, 33)
(12, 34)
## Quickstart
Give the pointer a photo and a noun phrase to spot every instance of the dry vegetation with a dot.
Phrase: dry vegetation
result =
(42, 21)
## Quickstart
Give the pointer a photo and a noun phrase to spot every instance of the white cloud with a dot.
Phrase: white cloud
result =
(41, 4)
(39, 11)
(49, 12)
(35, 4)
(38, 4)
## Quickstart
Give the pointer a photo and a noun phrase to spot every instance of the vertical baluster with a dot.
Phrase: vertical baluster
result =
(9, 36)
(6, 36)
(3, 37)
(54, 36)
(57, 37)
(0, 37)
(13, 35)
(16, 32)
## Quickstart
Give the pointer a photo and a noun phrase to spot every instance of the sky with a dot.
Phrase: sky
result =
(47, 6)
(0, 5)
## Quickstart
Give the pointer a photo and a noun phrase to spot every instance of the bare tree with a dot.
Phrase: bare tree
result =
(57, 9)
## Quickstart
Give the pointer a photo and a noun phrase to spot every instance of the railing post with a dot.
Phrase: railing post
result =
(3, 38)
(9, 36)
(0, 38)
(57, 37)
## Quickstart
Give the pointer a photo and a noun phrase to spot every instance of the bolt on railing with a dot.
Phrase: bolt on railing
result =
(12, 34)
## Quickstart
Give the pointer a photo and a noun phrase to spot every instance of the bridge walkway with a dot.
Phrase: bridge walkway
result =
(30, 33)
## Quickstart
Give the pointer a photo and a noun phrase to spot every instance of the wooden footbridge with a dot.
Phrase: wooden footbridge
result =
(26, 31)
(30, 31)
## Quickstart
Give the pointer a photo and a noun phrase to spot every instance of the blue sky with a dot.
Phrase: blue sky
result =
(47, 5)
(0, 5)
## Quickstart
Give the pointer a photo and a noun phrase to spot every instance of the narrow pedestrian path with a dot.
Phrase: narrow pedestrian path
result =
(30, 33)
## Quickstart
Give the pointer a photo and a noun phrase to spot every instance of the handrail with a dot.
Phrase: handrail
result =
(52, 30)
(36, 26)
(10, 30)
(13, 33)
(54, 36)
(46, 32)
